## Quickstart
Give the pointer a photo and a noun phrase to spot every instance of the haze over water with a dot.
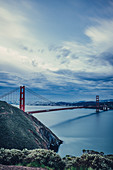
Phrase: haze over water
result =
(79, 129)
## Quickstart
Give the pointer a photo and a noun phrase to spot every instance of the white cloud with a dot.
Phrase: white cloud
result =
(10, 25)
(101, 40)
(19, 47)
(102, 34)
(13, 58)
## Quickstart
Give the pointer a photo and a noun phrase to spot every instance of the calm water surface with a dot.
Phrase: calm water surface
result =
(79, 129)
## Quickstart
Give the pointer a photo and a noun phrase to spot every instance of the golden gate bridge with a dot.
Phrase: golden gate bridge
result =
(18, 96)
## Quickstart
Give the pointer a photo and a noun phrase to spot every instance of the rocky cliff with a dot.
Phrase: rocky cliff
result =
(19, 130)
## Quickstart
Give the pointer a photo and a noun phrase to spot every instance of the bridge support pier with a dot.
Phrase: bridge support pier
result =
(97, 103)
(105, 108)
(22, 98)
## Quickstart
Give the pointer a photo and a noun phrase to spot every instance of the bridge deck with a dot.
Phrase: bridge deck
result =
(58, 109)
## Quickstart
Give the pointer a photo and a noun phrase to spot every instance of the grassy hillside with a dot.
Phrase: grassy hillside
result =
(19, 130)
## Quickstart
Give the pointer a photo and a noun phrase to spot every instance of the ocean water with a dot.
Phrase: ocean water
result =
(79, 129)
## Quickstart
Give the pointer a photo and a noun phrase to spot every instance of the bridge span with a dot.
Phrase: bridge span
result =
(65, 108)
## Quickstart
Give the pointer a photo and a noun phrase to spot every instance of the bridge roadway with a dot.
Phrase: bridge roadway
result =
(65, 108)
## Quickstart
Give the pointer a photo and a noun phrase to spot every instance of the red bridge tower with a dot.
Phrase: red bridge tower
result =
(22, 98)
(97, 103)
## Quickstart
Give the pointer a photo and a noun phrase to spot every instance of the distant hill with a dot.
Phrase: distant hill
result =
(19, 130)
(108, 102)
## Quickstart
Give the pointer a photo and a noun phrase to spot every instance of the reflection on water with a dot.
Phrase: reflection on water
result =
(71, 120)
(80, 129)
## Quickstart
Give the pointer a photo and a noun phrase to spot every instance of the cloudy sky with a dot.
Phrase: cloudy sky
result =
(63, 49)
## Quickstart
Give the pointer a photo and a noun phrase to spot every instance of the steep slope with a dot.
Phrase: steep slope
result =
(19, 130)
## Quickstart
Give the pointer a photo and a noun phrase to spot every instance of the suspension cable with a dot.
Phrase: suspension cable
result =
(39, 96)
(12, 91)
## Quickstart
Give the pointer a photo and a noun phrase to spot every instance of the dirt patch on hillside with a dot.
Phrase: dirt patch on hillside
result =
(5, 167)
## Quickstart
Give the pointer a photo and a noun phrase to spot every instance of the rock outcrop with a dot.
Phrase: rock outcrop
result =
(19, 130)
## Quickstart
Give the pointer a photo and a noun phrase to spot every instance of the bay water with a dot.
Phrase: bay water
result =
(79, 129)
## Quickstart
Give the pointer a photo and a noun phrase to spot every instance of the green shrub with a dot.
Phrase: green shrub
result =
(46, 157)
(33, 164)
(49, 159)
(78, 168)
(10, 157)
(36, 157)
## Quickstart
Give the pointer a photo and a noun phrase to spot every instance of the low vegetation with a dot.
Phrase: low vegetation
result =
(50, 160)
(35, 158)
